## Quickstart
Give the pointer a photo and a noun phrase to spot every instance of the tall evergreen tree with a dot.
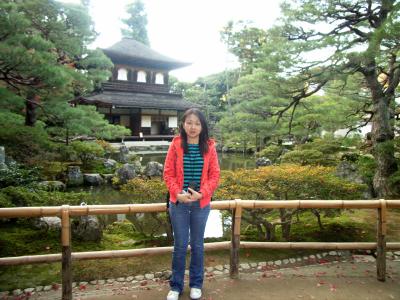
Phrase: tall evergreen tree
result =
(43, 52)
(136, 23)
(323, 41)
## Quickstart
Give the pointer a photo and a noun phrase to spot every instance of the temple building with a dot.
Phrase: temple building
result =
(138, 95)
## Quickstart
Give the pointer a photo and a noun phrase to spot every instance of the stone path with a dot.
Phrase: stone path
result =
(350, 279)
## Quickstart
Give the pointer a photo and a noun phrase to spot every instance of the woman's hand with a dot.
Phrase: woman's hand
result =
(184, 197)
(195, 196)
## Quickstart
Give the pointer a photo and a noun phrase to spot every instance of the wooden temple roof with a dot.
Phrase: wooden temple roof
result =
(140, 100)
(131, 52)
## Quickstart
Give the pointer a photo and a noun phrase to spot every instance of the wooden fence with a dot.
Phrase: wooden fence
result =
(237, 206)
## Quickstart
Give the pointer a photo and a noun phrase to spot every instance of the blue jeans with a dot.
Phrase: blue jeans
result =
(185, 218)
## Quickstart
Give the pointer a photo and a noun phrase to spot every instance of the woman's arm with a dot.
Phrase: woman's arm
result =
(208, 187)
(170, 171)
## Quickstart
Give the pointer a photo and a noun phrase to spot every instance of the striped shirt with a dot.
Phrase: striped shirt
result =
(192, 166)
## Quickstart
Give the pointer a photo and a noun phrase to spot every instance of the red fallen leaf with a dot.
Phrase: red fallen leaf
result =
(55, 286)
(320, 283)
(333, 288)
(319, 273)
(322, 261)
(247, 254)
(82, 287)
(143, 283)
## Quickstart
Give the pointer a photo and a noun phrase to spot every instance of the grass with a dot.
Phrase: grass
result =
(19, 239)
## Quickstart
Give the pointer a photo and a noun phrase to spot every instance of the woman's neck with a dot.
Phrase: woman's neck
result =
(193, 140)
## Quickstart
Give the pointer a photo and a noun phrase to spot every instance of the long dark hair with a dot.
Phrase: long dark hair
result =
(203, 138)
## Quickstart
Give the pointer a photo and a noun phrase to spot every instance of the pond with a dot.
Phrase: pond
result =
(214, 228)
(227, 161)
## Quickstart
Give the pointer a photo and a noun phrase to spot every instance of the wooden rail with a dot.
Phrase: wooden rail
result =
(237, 206)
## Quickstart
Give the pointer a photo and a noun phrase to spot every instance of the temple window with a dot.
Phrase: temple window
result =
(122, 74)
(159, 78)
(141, 76)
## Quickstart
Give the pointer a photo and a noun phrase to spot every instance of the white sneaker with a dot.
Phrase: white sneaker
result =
(173, 295)
(195, 293)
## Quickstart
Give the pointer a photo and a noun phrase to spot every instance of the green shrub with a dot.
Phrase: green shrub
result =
(306, 157)
(17, 174)
(23, 196)
(325, 146)
(23, 143)
(271, 152)
(87, 152)
(145, 190)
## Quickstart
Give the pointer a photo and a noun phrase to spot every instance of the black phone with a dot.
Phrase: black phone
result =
(193, 185)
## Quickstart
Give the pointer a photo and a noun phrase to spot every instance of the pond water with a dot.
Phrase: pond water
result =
(227, 161)
(214, 228)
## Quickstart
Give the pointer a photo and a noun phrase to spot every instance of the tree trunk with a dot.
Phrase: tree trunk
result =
(286, 221)
(383, 147)
(30, 113)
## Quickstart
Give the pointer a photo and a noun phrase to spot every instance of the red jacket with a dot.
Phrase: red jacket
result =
(173, 171)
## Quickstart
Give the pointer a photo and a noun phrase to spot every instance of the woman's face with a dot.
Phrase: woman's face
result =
(192, 126)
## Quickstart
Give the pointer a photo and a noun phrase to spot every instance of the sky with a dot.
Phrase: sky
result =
(186, 30)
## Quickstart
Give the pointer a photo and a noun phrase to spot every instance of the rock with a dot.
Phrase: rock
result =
(253, 265)
(110, 280)
(101, 282)
(149, 276)
(93, 179)
(123, 154)
(153, 168)
(219, 267)
(139, 277)
(107, 177)
(121, 279)
(126, 172)
(245, 266)
(74, 176)
(47, 288)
(39, 288)
(263, 161)
(278, 262)
(209, 269)
(110, 164)
(52, 223)
(52, 185)
(129, 278)
(348, 171)
(285, 261)
(87, 228)
(158, 274)
(17, 292)
(292, 260)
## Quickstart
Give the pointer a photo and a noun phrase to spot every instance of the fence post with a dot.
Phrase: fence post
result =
(66, 259)
(235, 239)
(381, 242)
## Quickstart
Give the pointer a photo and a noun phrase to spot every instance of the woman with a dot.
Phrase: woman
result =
(191, 173)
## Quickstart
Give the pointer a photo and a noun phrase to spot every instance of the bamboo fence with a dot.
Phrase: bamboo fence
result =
(67, 257)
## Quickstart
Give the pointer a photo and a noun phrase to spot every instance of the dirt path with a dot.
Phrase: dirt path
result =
(340, 280)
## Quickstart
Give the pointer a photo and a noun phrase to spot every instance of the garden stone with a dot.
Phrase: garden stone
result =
(126, 172)
(52, 223)
(123, 154)
(87, 228)
(153, 168)
(93, 179)
(17, 292)
(348, 171)
(139, 277)
(263, 161)
(107, 177)
(74, 176)
(110, 164)
(52, 185)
